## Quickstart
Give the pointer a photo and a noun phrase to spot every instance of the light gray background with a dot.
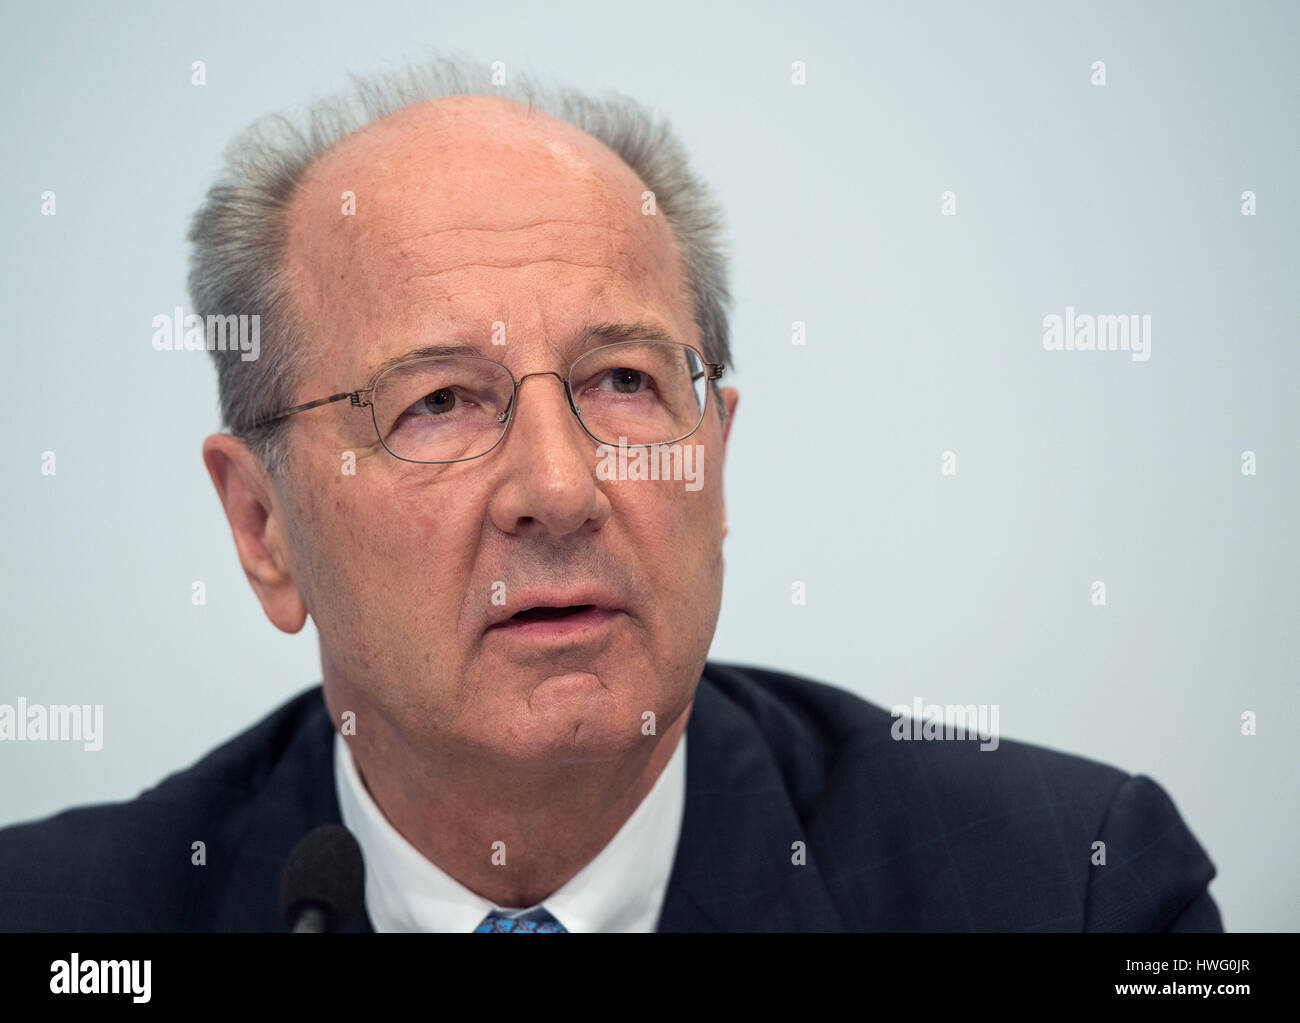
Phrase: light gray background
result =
(924, 335)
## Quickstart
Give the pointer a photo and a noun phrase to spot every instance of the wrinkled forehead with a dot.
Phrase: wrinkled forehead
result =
(440, 208)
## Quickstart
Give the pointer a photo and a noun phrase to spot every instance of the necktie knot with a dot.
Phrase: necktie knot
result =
(535, 921)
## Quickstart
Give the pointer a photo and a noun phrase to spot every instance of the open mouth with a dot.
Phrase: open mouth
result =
(547, 614)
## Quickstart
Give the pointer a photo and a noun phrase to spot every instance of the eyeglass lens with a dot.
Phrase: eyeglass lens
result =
(447, 409)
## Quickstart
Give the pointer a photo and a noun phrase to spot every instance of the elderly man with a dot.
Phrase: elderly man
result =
(471, 308)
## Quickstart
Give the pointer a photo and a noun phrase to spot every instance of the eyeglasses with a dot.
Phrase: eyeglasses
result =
(454, 408)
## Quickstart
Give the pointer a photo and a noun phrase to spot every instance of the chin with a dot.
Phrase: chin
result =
(576, 727)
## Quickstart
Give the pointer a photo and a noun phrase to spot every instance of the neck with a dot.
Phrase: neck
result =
(511, 834)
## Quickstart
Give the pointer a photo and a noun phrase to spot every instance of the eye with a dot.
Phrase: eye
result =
(626, 381)
(436, 403)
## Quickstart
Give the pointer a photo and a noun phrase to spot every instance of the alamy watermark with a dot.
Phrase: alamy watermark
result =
(1085, 333)
(75, 976)
(933, 722)
(681, 462)
(55, 723)
(177, 332)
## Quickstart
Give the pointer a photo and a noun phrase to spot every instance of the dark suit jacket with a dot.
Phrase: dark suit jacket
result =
(900, 836)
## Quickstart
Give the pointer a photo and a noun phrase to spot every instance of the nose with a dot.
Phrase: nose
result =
(548, 486)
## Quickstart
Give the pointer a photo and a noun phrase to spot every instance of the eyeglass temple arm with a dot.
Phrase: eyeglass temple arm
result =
(354, 395)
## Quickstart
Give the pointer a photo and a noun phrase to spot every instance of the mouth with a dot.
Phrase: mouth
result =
(550, 614)
(540, 625)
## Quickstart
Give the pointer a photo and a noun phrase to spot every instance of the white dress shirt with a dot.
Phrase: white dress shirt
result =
(621, 890)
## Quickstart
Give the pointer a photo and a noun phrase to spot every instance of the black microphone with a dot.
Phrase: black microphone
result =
(324, 882)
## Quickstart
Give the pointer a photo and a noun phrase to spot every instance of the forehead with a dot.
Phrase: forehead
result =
(470, 212)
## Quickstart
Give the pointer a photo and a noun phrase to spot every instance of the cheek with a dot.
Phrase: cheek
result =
(680, 533)
(422, 549)
(389, 567)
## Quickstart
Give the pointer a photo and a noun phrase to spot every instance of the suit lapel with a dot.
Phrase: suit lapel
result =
(734, 869)
(298, 796)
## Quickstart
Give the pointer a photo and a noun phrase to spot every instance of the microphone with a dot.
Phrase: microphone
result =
(324, 882)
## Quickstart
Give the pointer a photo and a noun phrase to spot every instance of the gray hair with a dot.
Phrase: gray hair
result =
(239, 234)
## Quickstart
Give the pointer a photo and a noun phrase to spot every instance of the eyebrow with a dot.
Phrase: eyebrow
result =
(614, 333)
(604, 333)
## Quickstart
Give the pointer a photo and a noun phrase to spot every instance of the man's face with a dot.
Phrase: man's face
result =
(468, 214)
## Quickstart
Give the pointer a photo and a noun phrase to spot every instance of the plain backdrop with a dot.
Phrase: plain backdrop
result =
(923, 335)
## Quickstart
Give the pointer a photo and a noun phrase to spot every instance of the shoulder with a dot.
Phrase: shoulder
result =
(160, 861)
(939, 832)
(845, 748)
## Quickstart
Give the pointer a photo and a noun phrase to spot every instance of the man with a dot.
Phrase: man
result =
(477, 317)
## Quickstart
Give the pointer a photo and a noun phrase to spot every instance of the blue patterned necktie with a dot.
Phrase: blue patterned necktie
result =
(535, 921)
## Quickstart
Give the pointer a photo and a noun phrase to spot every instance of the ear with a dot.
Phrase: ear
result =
(256, 518)
(730, 398)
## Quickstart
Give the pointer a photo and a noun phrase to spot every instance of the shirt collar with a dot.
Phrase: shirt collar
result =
(622, 889)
